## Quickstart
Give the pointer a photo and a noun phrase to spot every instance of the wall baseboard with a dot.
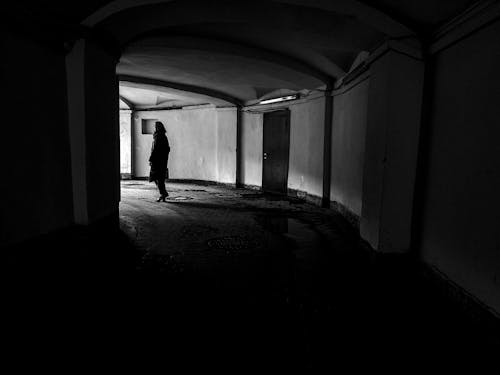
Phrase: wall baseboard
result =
(251, 187)
(200, 182)
(189, 181)
(436, 285)
(475, 311)
(126, 176)
(350, 216)
(292, 193)
(309, 198)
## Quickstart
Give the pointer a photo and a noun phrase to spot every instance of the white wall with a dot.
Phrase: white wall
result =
(251, 173)
(391, 149)
(226, 145)
(202, 142)
(460, 224)
(125, 142)
(305, 171)
(306, 146)
(348, 145)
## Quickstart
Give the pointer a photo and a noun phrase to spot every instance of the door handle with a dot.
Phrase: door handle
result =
(265, 155)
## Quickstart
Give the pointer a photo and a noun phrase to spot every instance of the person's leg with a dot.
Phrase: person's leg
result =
(163, 178)
(161, 187)
(160, 182)
(158, 186)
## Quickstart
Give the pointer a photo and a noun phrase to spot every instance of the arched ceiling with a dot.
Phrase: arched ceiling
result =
(155, 96)
(365, 13)
(243, 49)
(247, 50)
(222, 67)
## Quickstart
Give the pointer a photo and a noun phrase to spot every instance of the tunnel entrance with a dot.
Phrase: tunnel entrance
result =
(276, 148)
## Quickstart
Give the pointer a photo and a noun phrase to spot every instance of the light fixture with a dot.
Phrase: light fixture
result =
(280, 99)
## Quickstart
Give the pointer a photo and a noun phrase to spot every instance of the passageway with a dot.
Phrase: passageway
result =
(376, 121)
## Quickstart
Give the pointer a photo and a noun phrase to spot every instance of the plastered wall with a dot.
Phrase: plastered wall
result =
(348, 145)
(306, 146)
(125, 142)
(226, 145)
(305, 171)
(252, 148)
(202, 141)
(391, 150)
(36, 189)
(460, 223)
(102, 133)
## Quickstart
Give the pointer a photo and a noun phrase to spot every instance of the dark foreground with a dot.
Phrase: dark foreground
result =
(226, 279)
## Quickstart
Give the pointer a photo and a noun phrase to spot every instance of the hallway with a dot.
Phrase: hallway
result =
(376, 120)
(272, 281)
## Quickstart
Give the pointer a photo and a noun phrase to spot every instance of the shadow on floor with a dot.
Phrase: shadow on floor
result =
(241, 288)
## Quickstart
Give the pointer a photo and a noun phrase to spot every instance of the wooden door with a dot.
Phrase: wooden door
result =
(276, 145)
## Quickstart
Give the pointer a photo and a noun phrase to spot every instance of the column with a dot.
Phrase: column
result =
(394, 116)
(94, 131)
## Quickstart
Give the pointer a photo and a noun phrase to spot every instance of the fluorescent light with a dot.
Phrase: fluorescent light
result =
(281, 99)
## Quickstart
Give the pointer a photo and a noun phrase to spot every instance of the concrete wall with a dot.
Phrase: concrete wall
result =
(36, 189)
(305, 171)
(391, 149)
(202, 141)
(102, 133)
(94, 130)
(125, 142)
(348, 145)
(252, 148)
(226, 145)
(306, 146)
(460, 223)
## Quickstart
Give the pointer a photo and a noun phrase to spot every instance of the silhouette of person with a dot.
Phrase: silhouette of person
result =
(159, 160)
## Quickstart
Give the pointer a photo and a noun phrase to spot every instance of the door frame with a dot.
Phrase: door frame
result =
(286, 112)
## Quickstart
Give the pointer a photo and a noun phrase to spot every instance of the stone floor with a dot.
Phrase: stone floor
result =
(280, 281)
(217, 278)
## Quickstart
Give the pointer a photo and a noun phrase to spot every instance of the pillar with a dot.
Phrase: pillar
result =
(94, 131)
(239, 145)
(327, 148)
(394, 116)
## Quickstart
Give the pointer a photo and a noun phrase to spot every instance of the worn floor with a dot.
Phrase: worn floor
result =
(217, 278)
(279, 281)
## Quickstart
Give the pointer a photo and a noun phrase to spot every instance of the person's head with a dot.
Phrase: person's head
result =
(159, 128)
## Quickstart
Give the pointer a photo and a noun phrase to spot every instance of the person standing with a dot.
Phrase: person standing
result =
(159, 160)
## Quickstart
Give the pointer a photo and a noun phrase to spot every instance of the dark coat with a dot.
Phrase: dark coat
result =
(159, 157)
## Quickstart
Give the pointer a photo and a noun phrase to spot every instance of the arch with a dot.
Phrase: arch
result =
(364, 13)
(182, 87)
(237, 49)
(127, 102)
(313, 34)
